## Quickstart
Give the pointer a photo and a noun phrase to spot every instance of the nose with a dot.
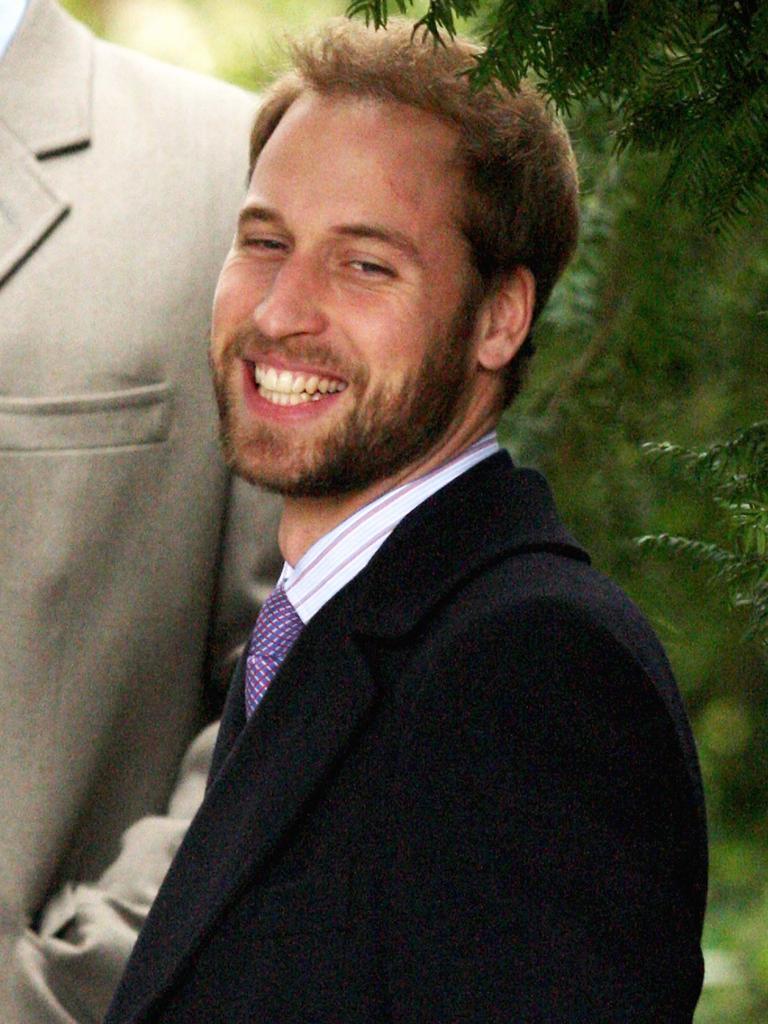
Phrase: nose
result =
(292, 304)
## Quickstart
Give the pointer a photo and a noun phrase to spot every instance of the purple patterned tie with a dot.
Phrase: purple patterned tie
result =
(276, 629)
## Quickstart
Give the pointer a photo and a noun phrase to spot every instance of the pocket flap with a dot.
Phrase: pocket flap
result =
(101, 420)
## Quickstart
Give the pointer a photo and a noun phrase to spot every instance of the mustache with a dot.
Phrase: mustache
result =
(249, 343)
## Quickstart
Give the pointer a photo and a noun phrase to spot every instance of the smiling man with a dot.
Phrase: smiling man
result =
(454, 780)
(343, 348)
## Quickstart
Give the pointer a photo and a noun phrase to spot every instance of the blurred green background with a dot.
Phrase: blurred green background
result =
(658, 332)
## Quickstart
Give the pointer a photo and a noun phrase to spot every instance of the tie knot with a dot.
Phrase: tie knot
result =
(275, 632)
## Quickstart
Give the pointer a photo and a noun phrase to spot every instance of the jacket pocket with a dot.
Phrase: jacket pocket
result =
(109, 419)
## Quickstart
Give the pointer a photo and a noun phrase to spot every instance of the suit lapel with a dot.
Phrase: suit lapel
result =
(232, 718)
(29, 207)
(45, 84)
(324, 692)
(319, 698)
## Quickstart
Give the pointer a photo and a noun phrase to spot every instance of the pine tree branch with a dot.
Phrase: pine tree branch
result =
(688, 78)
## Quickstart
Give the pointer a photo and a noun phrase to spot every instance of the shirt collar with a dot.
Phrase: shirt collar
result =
(337, 557)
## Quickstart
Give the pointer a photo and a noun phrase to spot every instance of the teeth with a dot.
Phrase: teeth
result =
(280, 398)
(286, 388)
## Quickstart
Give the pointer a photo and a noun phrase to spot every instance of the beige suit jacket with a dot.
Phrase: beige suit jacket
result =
(119, 181)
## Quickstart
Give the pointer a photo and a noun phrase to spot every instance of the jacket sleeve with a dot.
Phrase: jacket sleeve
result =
(67, 970)
(550, 823)
(68, 966)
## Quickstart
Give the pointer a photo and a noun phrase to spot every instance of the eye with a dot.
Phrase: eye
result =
(263, 243)
(371, 269)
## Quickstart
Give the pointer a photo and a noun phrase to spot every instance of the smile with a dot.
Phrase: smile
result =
(286, 388)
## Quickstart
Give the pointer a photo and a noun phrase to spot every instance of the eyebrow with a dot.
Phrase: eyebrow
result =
(257, 213)
(381, 234)
(390, 236)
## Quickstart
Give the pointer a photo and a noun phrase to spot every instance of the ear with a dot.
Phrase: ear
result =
(506, 319)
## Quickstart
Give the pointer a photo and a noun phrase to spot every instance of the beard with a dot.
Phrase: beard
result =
(387, 430)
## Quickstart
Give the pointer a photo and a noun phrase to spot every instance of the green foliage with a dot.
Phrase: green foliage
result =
(736, 475)
(687, 78)
(237, 40)
(440, 14)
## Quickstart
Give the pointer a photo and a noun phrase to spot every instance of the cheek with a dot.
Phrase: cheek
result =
(389, 349)
(228, 315)
(234, 298)
(388, 333)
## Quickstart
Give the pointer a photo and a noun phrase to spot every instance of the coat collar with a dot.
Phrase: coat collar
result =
(45, 81)
(45, 109)
(268, 771)
(489, 512)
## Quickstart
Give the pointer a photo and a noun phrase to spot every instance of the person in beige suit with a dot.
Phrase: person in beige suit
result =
(125, 582)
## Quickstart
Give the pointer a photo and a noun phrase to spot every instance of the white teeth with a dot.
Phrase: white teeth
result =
(286, 388)
(280, 398)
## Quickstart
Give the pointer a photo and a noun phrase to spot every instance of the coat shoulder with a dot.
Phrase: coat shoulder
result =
(547, 592)
(546, 630)
(170, 85)
(191, 125)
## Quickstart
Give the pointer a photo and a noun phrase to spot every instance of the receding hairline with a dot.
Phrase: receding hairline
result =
(291, 89)
(453, 161)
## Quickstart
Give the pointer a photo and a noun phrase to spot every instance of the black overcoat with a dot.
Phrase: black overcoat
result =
(470, 794)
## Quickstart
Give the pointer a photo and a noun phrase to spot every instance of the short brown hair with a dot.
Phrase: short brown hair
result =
(521, 206)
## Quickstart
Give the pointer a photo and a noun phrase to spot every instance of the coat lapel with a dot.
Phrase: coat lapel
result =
(491, 512)
(29, 206)
(325, 691)
(45, 84)
(319, 698)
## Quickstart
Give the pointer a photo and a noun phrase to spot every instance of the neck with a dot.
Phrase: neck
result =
(305, 520)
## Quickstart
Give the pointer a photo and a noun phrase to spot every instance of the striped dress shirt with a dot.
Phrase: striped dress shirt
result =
(341, 554)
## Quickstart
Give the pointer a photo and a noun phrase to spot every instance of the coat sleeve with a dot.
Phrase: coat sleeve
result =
(67, 970)
(547, 821)
(67, 967)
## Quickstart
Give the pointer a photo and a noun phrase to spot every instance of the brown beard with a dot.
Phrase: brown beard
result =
(387, 431)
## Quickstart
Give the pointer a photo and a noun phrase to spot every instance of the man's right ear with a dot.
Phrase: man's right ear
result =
(506, 320)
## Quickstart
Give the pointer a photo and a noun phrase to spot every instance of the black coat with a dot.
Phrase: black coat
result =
(470, 794)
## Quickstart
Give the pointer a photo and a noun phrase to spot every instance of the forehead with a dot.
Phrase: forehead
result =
(357, 156)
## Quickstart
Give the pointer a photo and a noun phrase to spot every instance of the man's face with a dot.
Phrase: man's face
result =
(341, 344)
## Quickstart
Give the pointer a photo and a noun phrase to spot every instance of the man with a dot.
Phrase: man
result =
(119, 595)
(469, 792)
